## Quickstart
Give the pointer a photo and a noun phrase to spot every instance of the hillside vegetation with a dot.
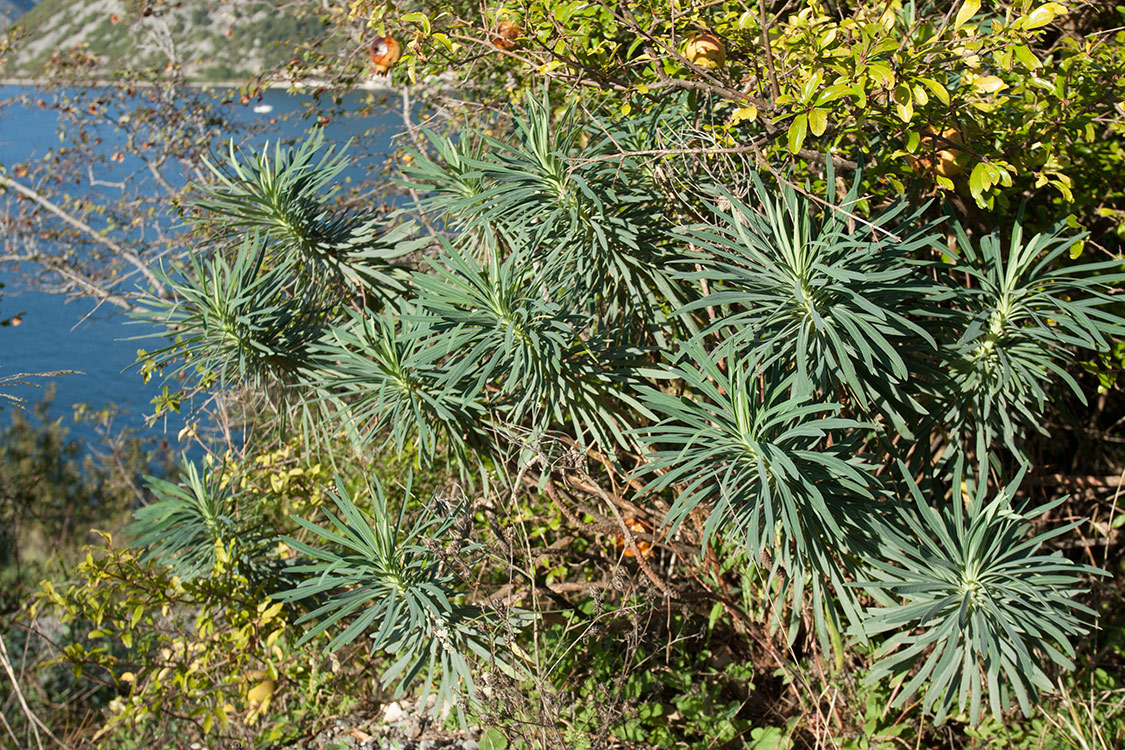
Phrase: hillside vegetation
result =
(725, 376)
(211, 41)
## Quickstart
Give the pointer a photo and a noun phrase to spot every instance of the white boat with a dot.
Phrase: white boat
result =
(262, 109)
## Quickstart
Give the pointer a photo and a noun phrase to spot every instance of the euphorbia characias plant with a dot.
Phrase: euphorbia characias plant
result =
(842, 401)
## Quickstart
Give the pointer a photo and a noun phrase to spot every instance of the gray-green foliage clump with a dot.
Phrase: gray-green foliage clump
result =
(764, 373)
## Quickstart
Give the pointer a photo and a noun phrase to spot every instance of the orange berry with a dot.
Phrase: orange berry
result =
(384, 52)
(706, 51)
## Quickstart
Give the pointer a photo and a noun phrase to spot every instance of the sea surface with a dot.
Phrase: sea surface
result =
(56, 335)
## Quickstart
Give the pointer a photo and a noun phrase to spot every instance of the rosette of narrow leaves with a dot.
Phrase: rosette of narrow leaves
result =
(287, 198)
(522, 190)
(380, 575)
(502, 336)
(453, 183)
(836, 304)
(192, 526)
(1025, 312)
(752, 451)
(575, 209)
(390, 384)
(976, 608)
(237, 321)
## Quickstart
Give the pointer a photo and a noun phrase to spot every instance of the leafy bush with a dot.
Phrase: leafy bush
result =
(798, 353)
(690, 339)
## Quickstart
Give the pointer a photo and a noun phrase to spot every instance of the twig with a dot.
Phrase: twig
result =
(775, 90)
(85, 228)
(35, 722)
(1109, 525)
(630, 540)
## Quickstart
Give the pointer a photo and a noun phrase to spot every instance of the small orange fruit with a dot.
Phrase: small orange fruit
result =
(644, 547)
(937, 154)
(384, 52)
(506, 34)
(706, 51)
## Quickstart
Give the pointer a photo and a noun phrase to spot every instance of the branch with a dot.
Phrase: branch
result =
(83, 227)
(35, 721)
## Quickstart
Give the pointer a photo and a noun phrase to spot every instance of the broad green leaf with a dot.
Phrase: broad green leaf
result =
(797, 131)
(832, 93)
(1026, 57)
(493, 739)
(419, 18)
(881, 72)
(936, 89)
(977, 179)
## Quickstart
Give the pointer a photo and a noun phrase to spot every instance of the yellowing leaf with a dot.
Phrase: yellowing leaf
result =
(882, 72)
(444, 41)
(271, 612)
(261, 692)
(904, 102)
(818, 122)
(1043, 15)
(1026, 57)
(272, 637)
(989, 84)
(968, 10)
(745, 113)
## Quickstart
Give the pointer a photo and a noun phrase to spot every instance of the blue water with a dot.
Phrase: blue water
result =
(55, 335)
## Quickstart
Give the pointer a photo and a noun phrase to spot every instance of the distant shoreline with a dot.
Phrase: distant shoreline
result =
(370, 85)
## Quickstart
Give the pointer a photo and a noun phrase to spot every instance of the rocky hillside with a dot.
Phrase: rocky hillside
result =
(215, 40)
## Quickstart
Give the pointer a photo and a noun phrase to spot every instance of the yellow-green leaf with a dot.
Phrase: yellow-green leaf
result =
(936, 89)
(1043, 15)
(989, 84)
(904, 102)
(271, 612)
(1026, 57)
(832, 93)
(882, 72)
(444, 41)
(418, 18)
(745, 113)
(810, 88)
(797, 132)
(818, 121)
(262, 692)
(968, 10)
